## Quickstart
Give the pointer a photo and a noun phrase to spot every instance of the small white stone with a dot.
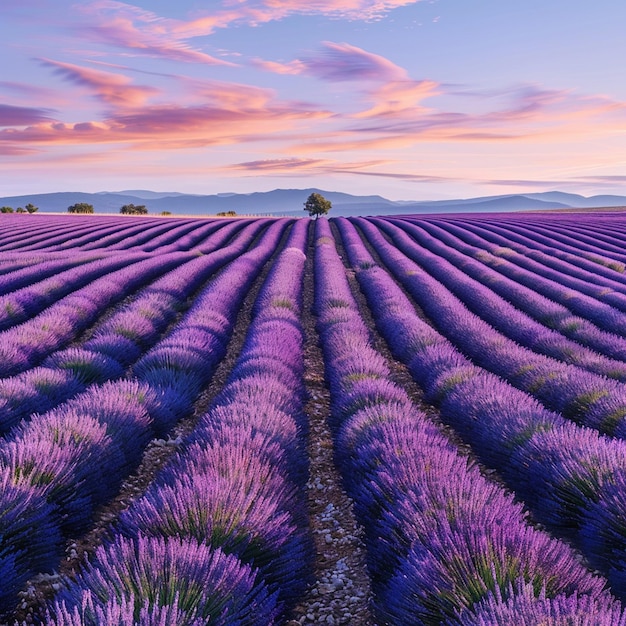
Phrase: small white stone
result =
(337, 582)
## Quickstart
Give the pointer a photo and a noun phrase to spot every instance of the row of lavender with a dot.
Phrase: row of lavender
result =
(583, 239)
(115, 343)
(569, 476)
(589, 399)
(445, 545)
(58, 234)
(501, 269)
(56, 469)
(221, 534)
(576, 282)
(572, 380)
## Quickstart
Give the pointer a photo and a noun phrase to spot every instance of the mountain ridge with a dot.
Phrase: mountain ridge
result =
(284, 202)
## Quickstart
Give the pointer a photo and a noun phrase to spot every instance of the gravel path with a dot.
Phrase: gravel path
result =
(341, 592)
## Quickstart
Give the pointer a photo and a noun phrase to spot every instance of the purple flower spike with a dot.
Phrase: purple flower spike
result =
(242, 515)
(169, 575)
(523, 607)
(30, 541)
(125, 408)
(86, 366)
(90, 612)
(456, 569)
(63, 455)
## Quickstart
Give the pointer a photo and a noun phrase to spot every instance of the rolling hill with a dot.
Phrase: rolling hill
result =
(285, 202)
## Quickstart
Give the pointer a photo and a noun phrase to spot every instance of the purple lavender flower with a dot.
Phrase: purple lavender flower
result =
(458, 567)
(161, 576)
(246, 514)
(523, 607)
(86, 366)
(30, 541)
(64, 455)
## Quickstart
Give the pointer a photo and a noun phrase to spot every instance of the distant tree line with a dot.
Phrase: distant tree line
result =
(315, 206)
(29, 208)
(127, 209)
(134, 209)
(80, 207)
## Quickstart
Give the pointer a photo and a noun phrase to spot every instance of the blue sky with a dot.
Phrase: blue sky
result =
(411, 100)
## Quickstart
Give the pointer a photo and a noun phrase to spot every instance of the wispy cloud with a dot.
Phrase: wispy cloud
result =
(206, 113)
(28, 90)
(526, 113)
(280, 166)
(386, 90)
(292, 67)
(142, 32)
(611, 178)
(23, 116)
(330, 167)
(349, 9)
(13, 150)
(344, 62)
(339, 62)
(139, 31)
(525, 183)
(111, 88)
(399, 99)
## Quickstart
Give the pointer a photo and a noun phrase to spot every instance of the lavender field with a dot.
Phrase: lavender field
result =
(159, 415)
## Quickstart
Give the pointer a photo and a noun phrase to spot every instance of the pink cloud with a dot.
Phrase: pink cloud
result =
(235, 96)
(29, 91)
(342, 61)
(616, 178)
(526, 184)
(16, 151)
(399, 98)
(142, 32)
(328, 167)
(349, 9)
(393, 94)
(203, 125)
(145, 32)
(527, 114)
(114, 89)
(339, 62)
(293, 67)
(281, 166)
(232, 114)
(22, 116)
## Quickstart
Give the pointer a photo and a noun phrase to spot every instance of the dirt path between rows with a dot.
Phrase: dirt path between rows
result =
(341, 592)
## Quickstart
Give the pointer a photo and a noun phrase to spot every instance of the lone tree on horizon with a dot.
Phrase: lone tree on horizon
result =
(317, 205)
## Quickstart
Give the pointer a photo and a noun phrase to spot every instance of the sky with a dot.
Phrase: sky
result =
(408, 99)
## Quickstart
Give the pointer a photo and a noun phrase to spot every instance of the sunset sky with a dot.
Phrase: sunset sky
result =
(412, 100)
